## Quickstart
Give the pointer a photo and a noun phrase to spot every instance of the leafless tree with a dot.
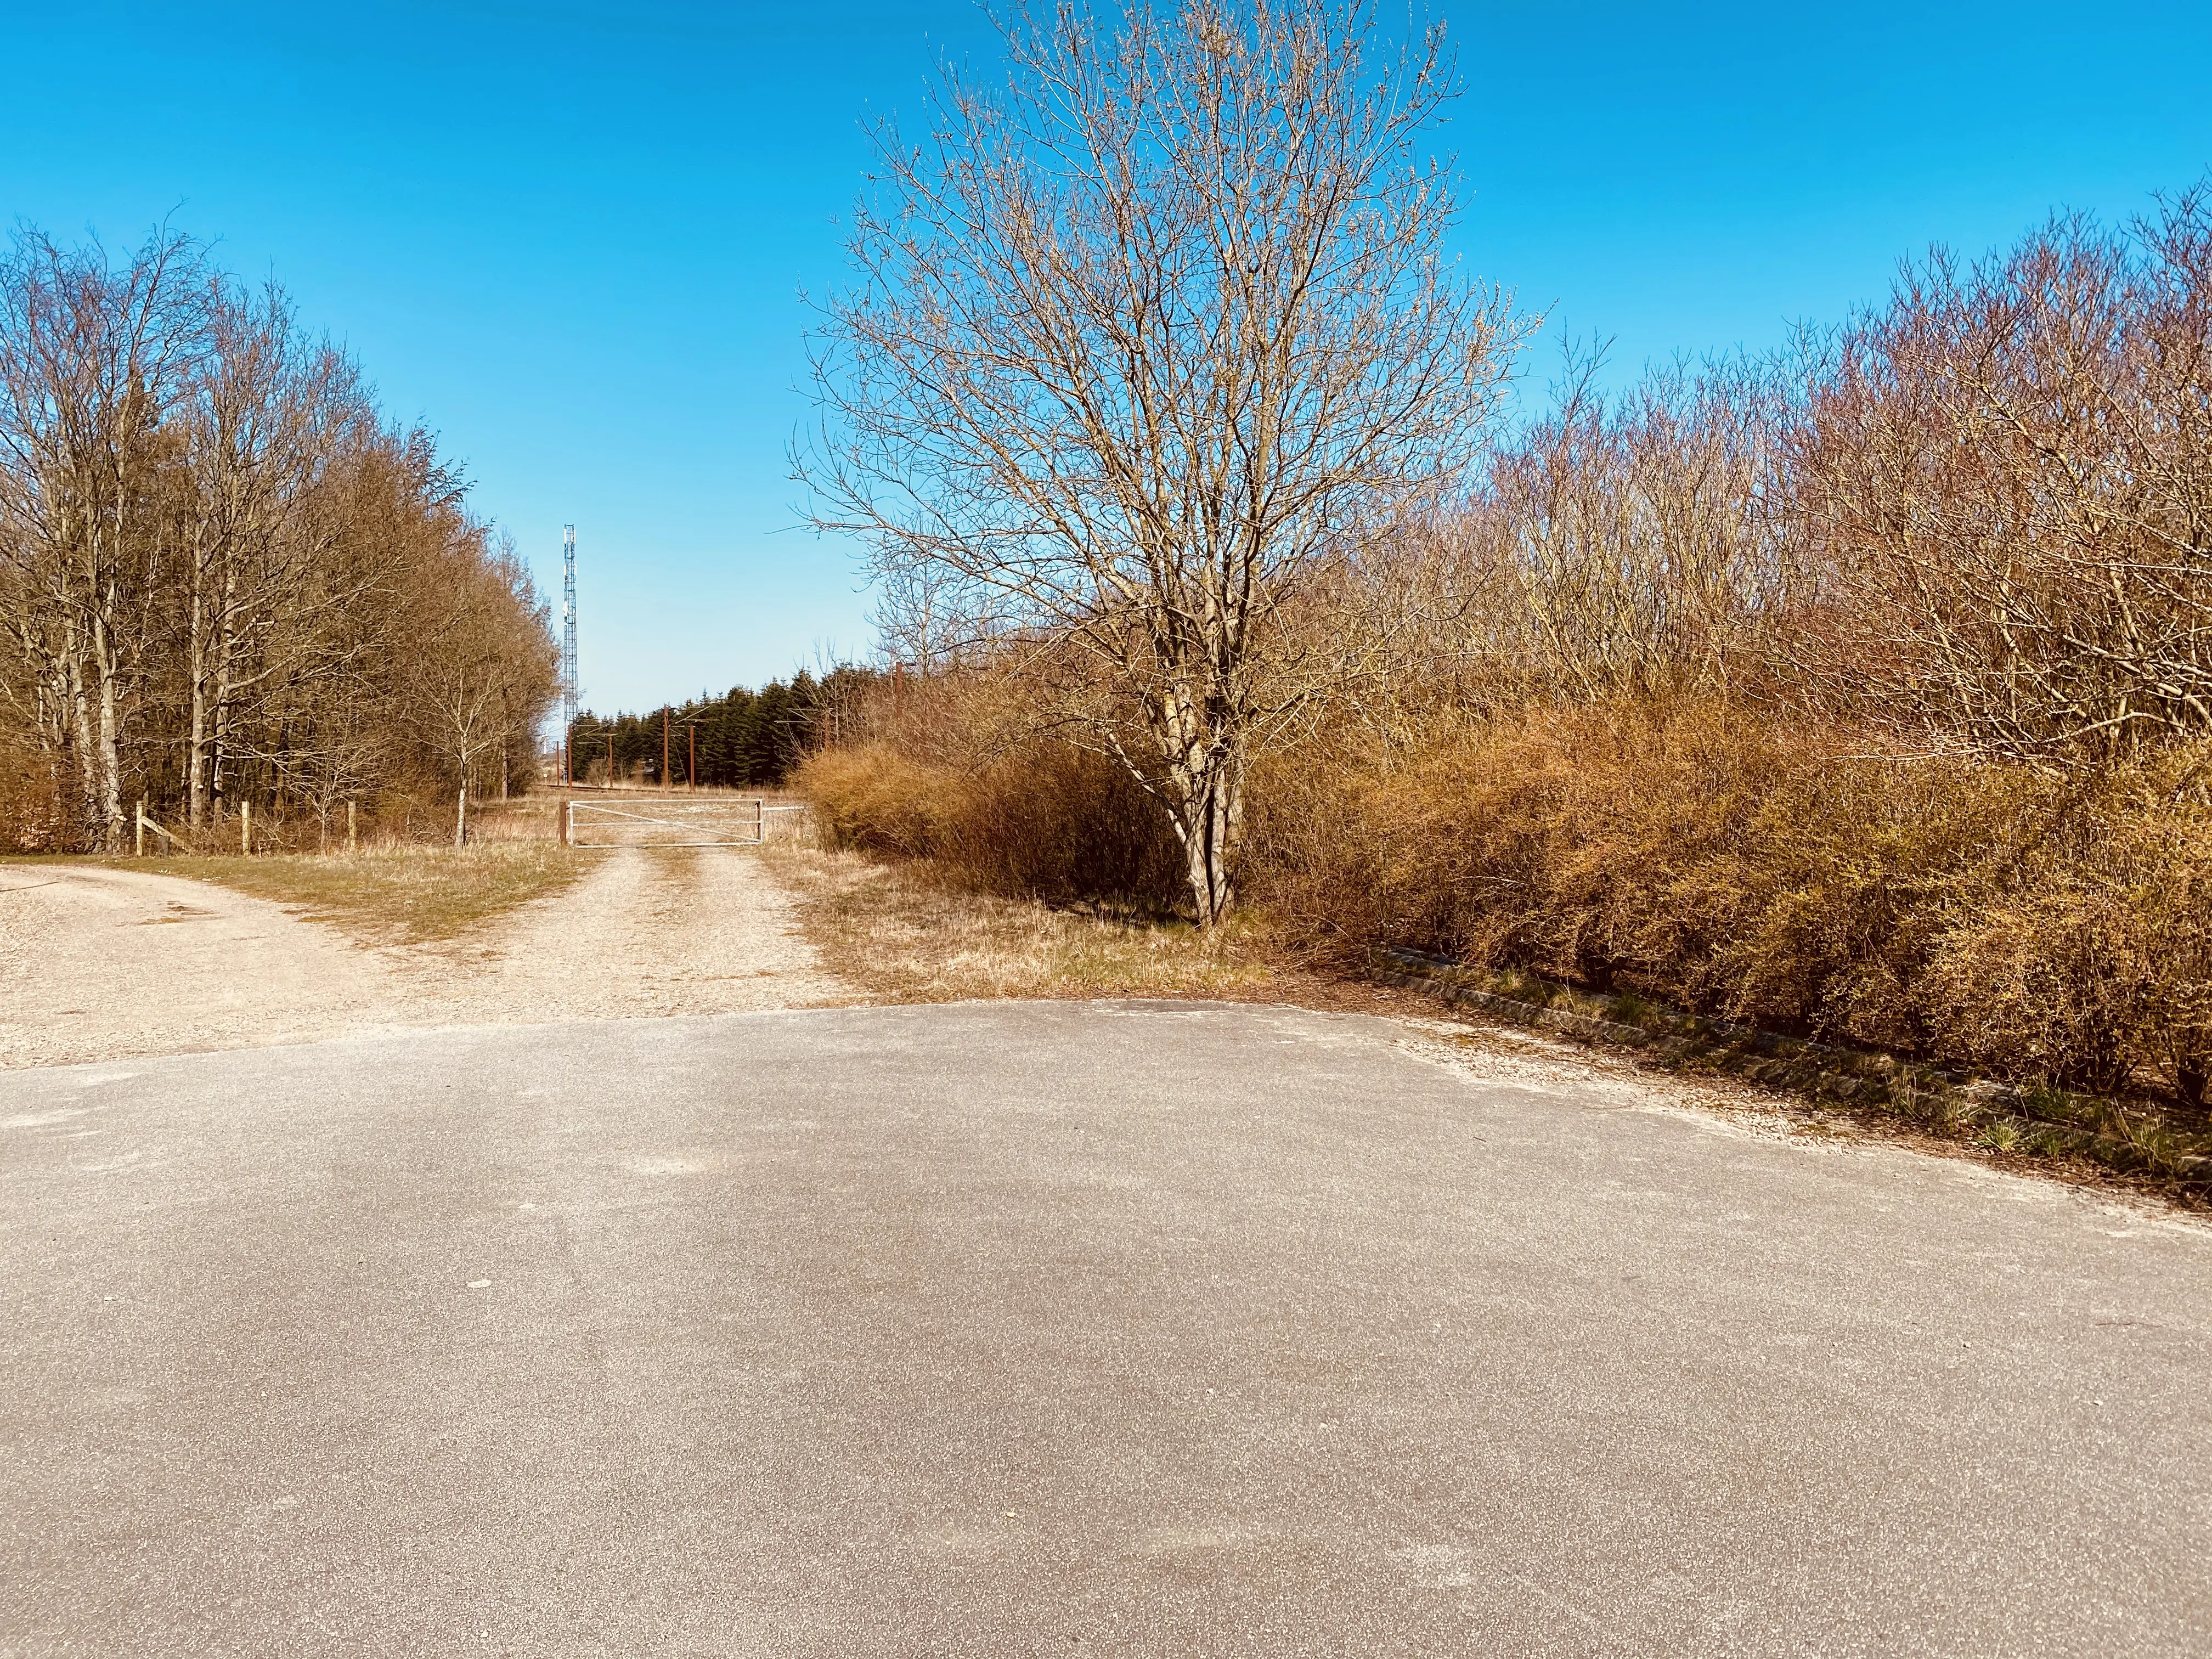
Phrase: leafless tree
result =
(214, 557)
(1142, 337)
(92, 355)
(477, 674)
(1627, 544)
(2008, 472)
(267, 415)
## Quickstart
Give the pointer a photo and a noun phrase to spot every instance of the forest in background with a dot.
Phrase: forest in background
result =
(744, 739)
(228, 583)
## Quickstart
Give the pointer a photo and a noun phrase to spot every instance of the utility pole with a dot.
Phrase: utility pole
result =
(568, 644)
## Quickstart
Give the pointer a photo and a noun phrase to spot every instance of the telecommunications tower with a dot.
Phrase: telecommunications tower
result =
(568, 642)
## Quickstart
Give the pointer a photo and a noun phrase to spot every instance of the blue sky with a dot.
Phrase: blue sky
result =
(571, 238)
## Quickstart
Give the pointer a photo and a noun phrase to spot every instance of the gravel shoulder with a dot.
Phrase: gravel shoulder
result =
(98, 963)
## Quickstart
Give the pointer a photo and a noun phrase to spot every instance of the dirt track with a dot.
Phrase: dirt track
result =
(97, 963)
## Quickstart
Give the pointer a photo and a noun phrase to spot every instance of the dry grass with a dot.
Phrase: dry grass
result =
(395, 895)
(2038, 929)
(907, 934)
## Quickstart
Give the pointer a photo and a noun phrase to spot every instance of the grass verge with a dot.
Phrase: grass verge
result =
(901, 932)
(403, 894)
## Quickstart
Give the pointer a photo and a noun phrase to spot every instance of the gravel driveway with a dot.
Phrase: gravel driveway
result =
(98, 963)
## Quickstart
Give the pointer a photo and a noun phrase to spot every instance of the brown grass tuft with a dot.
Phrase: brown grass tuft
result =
(911, 932)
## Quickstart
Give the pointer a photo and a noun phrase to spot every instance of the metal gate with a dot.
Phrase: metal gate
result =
(648, 823)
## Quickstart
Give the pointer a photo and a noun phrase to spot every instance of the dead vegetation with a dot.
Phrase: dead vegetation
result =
(910, 932)
(1857, 696)
(391, 890)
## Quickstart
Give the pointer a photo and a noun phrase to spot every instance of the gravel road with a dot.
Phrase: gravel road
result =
(100, 964)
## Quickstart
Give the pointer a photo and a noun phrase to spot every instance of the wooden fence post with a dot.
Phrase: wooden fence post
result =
(351, 843)
(140, 850)
(245, 827)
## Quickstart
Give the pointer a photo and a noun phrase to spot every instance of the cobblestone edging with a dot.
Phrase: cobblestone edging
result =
(1998, 1114)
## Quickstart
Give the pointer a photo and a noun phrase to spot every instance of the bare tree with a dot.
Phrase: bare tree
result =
(486, 663)
(92, 356)
(1627, 544)
(219, 573)
(268, 413)
(2008, 474)
(1142, 339)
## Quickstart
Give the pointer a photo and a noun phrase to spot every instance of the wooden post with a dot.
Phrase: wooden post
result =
(141, 851)
(567, 814)
(245, 827)
(351, 844)
(760, 820)
(664, 751)
(610, 757)
(691, 760)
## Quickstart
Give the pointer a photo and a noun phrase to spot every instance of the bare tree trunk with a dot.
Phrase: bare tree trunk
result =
(196, 669)
(1209, 822)
(220, 713)
(80, 715)
(111, 761)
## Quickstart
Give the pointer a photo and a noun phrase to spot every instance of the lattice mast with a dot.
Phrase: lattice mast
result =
(568, 641)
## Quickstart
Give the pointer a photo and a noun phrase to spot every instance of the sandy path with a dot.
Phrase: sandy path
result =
(672, 931)
(97, 963)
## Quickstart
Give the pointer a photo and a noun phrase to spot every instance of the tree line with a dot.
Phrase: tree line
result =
(227, 580)
(1862, 688)
(743, 739)
(1201, 436)
(1976, 520)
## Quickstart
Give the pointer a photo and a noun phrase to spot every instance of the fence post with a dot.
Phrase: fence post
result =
(140, 851)
(568, 809)
(760, 822)
(245, 827)
(350, 838)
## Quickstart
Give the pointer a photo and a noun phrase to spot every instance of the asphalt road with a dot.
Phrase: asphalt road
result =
(1019, 1329)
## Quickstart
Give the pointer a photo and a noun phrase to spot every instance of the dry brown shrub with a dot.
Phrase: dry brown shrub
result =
(1986, 914)
(2044, 929)
(2090, 960)
(1042, 820)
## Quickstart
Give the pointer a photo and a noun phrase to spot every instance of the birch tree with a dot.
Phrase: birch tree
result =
(1143, 335)
(221, 572)
(92, 355)
(477, 674)
(267, 414)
